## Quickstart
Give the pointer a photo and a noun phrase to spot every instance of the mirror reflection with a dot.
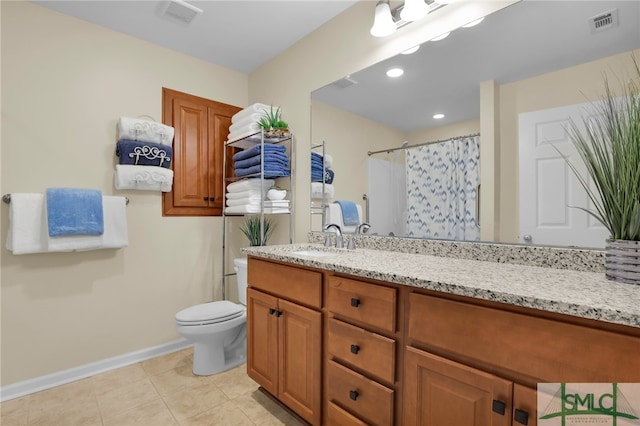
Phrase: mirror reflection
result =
(412, 145)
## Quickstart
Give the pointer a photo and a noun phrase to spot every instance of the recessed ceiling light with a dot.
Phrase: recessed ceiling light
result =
(438, 116)
(411, 50)
(473, 23)
(441, 36)
(395, 72)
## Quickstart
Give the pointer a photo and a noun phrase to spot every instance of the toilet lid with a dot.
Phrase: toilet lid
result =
(210, 312)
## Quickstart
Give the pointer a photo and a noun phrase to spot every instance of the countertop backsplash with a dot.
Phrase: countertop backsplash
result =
(576, 259)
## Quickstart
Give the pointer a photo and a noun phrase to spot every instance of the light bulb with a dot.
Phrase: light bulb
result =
(395, 72)
(441, 37)
(414, 10)
(383, 24)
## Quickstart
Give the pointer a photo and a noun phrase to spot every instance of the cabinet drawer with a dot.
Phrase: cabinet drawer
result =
(363, 349)
(336, 416)
(288, 282)
(543, 349)
(367, 303)
(368, 399)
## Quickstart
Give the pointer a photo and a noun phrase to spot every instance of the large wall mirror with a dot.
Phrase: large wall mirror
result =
(530, 56)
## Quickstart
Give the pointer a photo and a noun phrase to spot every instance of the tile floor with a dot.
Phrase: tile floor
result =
(157, 392)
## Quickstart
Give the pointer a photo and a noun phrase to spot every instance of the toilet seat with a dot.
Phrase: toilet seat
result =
(209, 313)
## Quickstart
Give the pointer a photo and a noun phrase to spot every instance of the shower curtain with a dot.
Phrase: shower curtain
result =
(442, 182)
(387, 196)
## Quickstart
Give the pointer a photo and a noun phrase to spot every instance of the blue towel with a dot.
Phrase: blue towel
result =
(269, 157)
(144, 153)
(316, 176)
(72, 211)
(255, 150)
(270, 171)
(349, 212)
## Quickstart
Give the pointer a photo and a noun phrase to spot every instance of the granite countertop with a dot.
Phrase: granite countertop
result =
(576, 293)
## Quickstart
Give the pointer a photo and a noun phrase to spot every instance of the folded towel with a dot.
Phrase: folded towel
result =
(244, 202)
(350, 215)
(270, 170)
(250, 119)
(143, 178)
(250, 184)
(333, 214)
(252, 193)
(27, 225)
(316, 190)
(255, 150)
(240, 132)
(136, 129)
(254, 209)
(316, 176)
(74, 211)
(256, 108)
(115, 231)
(269, 157)
(143, 153)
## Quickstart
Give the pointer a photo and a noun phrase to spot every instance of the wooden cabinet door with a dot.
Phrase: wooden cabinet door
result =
(525, 406)
(440, 392)
(262, 340)
(300, 360)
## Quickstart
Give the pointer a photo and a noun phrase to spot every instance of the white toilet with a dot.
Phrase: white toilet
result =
(217, 329)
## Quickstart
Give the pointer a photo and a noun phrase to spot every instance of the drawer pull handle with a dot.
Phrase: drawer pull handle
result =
(499, 407)
(272, 311)
(353, 395)
(521, 417)
(355, 349)
(278, 313)
(355, 302)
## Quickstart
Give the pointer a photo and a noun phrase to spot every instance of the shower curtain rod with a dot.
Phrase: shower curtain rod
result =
(390, 150)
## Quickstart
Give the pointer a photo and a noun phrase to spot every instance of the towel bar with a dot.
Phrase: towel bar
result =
(7, 199)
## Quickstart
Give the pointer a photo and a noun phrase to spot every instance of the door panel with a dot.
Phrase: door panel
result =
(262, 340)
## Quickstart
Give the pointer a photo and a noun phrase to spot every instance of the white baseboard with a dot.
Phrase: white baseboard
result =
(38, 384)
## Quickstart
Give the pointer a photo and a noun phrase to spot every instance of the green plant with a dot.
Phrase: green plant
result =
(271, 120)
(251, 229)
(609, 145)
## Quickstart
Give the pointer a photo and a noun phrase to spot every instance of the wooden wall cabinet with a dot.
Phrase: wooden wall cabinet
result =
(284, 351)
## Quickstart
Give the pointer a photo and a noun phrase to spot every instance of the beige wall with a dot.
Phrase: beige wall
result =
(444, 132)
(568, 86)
(64, 84)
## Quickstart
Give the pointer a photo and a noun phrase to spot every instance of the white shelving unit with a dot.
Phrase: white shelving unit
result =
(245, 143)
(320, 209)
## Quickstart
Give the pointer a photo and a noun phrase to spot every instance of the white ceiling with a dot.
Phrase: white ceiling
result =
(239, 35)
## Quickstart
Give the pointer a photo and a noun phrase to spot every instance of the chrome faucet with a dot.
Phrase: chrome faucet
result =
(339, 242)
(363, 228)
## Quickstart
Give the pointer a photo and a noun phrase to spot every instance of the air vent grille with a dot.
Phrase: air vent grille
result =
(345, 82)
(604, 21)
(181, 11)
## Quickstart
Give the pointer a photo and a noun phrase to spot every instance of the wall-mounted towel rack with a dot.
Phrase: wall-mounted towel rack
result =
(7, 199)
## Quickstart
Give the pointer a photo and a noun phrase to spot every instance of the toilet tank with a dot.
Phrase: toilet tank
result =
(241, 271)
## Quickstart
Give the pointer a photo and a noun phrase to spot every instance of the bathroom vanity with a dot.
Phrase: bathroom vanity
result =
(355, 337)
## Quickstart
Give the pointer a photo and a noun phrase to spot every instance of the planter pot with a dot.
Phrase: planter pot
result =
(276, 194)
(623, 261)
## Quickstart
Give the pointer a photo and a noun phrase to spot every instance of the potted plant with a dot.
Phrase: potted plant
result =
(272, 124)
(251, 229)
(609, 145)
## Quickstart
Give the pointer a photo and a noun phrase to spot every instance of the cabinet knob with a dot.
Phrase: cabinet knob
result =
(521, 417)
(272, 311)
(355, 349)
(499, 407)
(355, 302)
(209, 198)
(353, 395)
(278, 313)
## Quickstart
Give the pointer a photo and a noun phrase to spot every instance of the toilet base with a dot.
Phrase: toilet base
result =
(208, 359)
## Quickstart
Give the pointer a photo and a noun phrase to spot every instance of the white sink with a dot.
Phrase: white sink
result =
(313, 253)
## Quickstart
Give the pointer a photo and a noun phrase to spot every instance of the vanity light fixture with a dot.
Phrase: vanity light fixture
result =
(441, 36)
(411, 50)
(383, 24)
(473, 23)
(414, 10)
(395, 72)
(438, 116)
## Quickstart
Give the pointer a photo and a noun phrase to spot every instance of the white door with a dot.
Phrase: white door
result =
(548, 189)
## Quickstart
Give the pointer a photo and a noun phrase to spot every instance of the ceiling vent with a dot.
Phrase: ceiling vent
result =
(180, 11)
(604, 21)
(345, 82)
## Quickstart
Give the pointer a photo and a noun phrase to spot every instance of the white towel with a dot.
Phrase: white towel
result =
(254, 209)
(136, 129)
(27, 225)
(243, 201)
(143, 178)
(256, 108)
(253, 194)
(243, 132)
(334, 215)
(250, 119)
(316, 190)
(328, 160)
(115, 230)
(249, 184)
(28, 228)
